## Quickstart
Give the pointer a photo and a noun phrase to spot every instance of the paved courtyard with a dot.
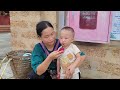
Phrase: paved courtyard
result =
(5, 47)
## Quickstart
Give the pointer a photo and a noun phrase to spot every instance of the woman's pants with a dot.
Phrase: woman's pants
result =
(33, 75)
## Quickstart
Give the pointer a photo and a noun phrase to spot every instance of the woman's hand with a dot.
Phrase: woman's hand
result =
(71, 68)
(55, 54)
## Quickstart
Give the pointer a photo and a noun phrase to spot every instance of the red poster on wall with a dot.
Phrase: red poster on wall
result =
(88, 20)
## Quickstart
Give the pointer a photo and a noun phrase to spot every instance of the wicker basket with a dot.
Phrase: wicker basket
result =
(20, 65)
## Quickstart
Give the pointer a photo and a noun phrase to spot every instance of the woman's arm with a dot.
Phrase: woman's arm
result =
(80, 57)
(77, 61)
(45, 64)
(58, 65)
(58, 68)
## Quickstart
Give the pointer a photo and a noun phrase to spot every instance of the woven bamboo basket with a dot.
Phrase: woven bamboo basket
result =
(20, 64)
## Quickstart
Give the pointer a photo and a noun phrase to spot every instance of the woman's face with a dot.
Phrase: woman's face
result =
(48, 36)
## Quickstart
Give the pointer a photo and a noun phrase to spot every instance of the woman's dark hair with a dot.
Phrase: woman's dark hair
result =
(41, 26)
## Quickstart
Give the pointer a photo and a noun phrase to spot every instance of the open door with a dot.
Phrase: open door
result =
(4, 21)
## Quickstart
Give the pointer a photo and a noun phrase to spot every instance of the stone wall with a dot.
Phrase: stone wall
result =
(23, 27)
(102, 60)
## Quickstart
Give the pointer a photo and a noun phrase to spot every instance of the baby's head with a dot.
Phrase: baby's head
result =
(66, 36)
(69, 29)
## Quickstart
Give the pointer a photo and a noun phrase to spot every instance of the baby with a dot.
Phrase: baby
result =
(67, 63)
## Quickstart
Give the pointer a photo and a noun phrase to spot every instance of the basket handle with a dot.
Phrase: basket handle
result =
(5, 66)
(2, 61)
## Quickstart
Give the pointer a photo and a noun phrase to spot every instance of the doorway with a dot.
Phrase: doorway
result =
(4, 21)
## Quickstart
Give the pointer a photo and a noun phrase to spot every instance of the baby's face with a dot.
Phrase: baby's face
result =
(66, 38)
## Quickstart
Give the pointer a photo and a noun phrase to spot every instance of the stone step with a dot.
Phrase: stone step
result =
(4, 28)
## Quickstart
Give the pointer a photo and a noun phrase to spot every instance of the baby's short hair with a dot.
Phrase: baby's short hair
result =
(69, 29)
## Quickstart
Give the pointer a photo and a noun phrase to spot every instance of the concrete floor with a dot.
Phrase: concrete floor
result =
(5, 44)
(5, 47)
